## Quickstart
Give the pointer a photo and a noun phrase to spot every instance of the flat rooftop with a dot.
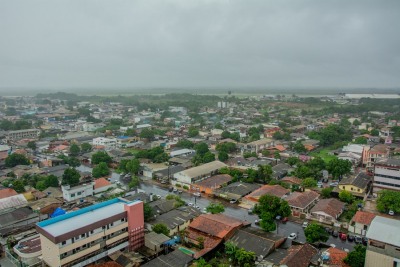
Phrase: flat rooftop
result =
(30, 245)
(77, 219)
(385, 230)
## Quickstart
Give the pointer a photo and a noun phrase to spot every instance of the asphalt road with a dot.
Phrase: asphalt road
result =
(230, 209)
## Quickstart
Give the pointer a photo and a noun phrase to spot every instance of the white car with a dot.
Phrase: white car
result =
(197, 194)
(391, 212)
(305, 224)
(158, 196)
(190, 204)
(292, 236)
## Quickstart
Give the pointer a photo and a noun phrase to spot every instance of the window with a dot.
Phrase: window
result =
(63, 243)
(91, 232)
(103, 227)
(377, 244)
(344, 187)
(111, 224)
(73, 195)
(82, 235)
(358, 190)
(79, 193)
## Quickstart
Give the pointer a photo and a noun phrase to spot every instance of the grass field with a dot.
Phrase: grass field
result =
(324, 154)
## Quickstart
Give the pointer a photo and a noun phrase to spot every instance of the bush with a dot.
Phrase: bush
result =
(186, 187)
(178, 185)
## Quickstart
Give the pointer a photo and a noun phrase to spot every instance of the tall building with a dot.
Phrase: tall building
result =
(383, 243)
(89, 234)
(387, 174)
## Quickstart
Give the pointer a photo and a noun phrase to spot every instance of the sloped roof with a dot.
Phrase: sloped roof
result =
(274, 190)
(13, 201)
(336, 257)
(363, 217)
(330, 206)
(361, 180)
(301, 199)
(101, 182)
(7, 192)
(215, 181)
(292, 179)
(218, 225)
(299, 255)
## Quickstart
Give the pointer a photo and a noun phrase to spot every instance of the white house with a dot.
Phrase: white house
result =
(77, 192)
(108, 143)
(195, 174)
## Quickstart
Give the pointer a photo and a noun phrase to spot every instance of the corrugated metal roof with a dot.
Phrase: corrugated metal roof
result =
(385, 230)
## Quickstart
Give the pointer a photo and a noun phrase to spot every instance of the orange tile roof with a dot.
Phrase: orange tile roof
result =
(101, 182)
(7, 192)
(280, 148)
(217, 225)
(336, 257)
(363, 217)
(274, 190)
(292, 180)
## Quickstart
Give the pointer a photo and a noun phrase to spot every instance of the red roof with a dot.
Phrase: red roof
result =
(101, 182)
(280, 148)
(292, 180)
(217, 225)
(363, 217)
(210, 242)
(273, 190)
(336, 257)
(7, 192)
(302, 199)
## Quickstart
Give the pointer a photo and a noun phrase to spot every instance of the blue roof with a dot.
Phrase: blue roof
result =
(57, 212)
(80, 212)
(123, 137)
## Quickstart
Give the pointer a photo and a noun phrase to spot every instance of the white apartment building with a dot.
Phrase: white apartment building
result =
(108, 143)
(77, 192)
(21, 134)
(387, 174)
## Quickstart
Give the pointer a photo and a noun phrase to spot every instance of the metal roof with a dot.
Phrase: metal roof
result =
(385, 230)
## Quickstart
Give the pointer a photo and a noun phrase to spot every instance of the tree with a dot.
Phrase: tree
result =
(388, 200)
(315, 232)
(18, 186)
(32, 145)
(227, 147)
(147, 134)
(160, 228)
(201, 148)
(208, 157)
(192, 132)
(309, 183)
(133, 166)
(70, 177)
(86, 147)
(268, 208)
(326, 192)
(346, 196)
(356, 258)
(245, 258)
(292, 161)
(299, 147)
(375, 132)
(147, 211)
(215, 208)
(223, 156)
(264, 173)
(52, 181)
(74, 150)
(41, 185)
(361, 140)
(130, 132)
(201, 262)
(184, 143)
(101, 156)
(339, 167)
(100, 170)
(16, 159)
(134, 182)
(356, 122)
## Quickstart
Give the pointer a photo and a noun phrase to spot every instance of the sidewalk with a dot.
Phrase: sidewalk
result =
(4, 262)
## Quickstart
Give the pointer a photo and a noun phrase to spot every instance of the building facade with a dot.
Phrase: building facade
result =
(21, 134)
(387, 175)
(84, 236)
(77, 192)
(108, 143)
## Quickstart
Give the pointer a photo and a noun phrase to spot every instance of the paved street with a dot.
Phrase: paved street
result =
(230, 209)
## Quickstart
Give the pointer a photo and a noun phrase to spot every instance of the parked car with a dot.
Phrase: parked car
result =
(335, 233)
(257, 221)
(180, 192)
(190, 204)
(364, 240)
(305, 224)
(333, 184)
(343, 236)
(171, 189)
(175, 190)
(285, 220)
(250, 211)
(292, 236)
(358, 239)
(350, 238)
(233, 201)
(391, 212)
(329, 230)
(197, 194)
(319, 184)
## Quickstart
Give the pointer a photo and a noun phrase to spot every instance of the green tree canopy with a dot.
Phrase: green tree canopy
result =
(74, 150)
(86, 147)
(100, 170)
(339, 167)
(160, 228)
(147, 211)
(147, 133)
(193, 131)
(70, 177)
(101, 156)
(315, 232)
(309, 183)
(16, 159)
(133, 166)
(215, 208)
(361, 140)
(32, 145)
(346, 196)
(388, 200)
(52, 181)
(356, 257)
(184, 143)
(223, 156)
(326, 192)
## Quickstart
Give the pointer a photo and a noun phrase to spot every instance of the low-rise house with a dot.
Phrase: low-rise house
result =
(327, 210)
(292, 181)
(102, 185)
(195, 174)
(77, 192)
(383, 243)
(256, 240)
(13, 202)
(168, 173)
(281, 170)
(295, 256)
(150, 169)
(210, 184)
(331, 257)
(7, 192)
(273, 190)
(155, 242)
(258, 145)
(358, 185)
(360, 222)
(176, 259)
(302, 202)
(235, 190)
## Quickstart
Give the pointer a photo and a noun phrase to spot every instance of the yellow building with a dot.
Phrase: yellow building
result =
(358, 185)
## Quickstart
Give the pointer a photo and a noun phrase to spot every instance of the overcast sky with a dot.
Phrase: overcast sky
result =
(193, 43)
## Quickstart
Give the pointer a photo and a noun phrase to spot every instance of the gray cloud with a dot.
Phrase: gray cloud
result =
(163, 43)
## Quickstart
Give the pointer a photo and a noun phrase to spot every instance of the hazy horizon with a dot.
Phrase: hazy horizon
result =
(205, 45)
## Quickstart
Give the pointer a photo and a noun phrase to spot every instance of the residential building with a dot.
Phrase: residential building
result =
(360, 222)
(258, 145)
(387, 174)
(380, 151)
(84, 236)
(78, 192)
(108, 143)
(195, 174)
(210, 184)
(327, 210)
(29, 251)
(155, 242)
(358, 185)
(383, 248)
(274, 190)
(235, 190)
(177, 258)
(296, 255)
(22, 134)
(302, 202)
(102, 185)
